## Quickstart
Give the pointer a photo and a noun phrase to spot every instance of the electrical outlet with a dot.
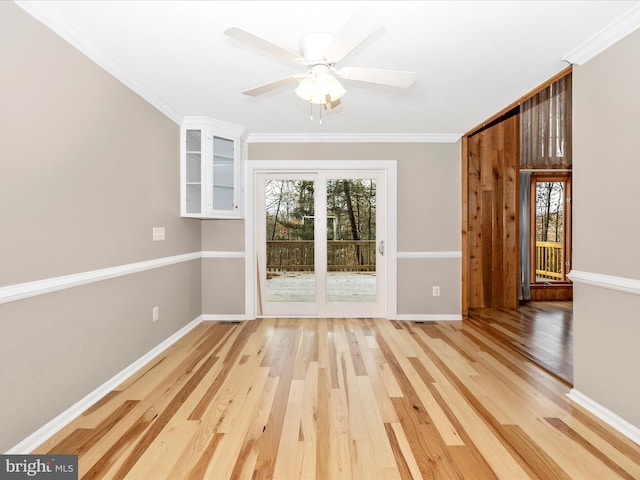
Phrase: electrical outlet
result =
(436, 291)
(155, 314)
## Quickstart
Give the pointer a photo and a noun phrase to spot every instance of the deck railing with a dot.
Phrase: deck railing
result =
(550, 260)
(342, 255)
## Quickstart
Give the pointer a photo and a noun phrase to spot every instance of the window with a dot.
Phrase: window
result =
(550, 227)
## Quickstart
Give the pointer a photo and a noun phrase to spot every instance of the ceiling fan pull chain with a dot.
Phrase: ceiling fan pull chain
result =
(311, 110)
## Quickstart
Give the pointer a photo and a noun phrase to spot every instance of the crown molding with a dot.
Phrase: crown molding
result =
(612, 33)
(218, 126)
(353, 137)
(47, 14)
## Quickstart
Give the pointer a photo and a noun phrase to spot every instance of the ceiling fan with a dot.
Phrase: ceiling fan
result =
(320, 52)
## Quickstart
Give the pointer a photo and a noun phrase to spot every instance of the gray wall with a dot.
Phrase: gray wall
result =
(87, 168)
(223, 278)
(606, 228)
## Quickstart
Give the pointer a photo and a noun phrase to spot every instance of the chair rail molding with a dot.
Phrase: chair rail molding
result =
(20, 291)
(435, 254)
(611, 282)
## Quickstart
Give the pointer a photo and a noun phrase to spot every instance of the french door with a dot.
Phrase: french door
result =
(320, 238)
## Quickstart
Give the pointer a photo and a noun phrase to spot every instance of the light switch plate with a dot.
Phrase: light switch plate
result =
(158, 234)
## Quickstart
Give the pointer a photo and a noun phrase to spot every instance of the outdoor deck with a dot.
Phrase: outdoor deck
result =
(342, 255)
(341, 287)
(550, 262)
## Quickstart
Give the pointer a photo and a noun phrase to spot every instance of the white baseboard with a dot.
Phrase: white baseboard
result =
(606, 415)
(45, 432)
(214, 317)
(430, 317)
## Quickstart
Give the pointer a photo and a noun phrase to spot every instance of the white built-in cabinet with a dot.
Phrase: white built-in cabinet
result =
(211, 164)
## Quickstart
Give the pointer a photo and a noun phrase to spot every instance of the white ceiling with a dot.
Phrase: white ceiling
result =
(472, 58)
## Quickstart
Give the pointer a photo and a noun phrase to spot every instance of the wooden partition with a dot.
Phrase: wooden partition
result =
(491, 227)
(490, 206)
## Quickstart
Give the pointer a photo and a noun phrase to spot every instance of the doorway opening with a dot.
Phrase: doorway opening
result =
(550, 229)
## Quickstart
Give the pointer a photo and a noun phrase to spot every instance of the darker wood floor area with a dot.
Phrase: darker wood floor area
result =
(540, 331)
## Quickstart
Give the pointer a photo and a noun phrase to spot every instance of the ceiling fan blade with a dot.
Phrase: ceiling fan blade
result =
(257, 42)
(364, 23)
(393, 78)
(267, 87)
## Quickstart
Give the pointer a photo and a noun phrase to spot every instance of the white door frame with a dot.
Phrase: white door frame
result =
(303, 166)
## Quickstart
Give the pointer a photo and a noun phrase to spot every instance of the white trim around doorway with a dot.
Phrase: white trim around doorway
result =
(277, 166)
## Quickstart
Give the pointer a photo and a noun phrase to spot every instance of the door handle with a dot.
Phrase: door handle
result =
(381, 247)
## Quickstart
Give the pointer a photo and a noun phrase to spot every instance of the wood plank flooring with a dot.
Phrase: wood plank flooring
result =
(342, 398)
(540, 331)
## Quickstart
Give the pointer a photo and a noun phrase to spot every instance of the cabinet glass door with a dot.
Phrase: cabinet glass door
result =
(223, 197)
(194, 171)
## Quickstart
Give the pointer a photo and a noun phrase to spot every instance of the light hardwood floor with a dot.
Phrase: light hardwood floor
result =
(342, 398)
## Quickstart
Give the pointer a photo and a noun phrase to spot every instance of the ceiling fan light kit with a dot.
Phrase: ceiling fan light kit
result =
(319, 87)
(320, 52)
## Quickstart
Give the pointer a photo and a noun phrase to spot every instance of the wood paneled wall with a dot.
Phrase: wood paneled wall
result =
(490, 230)
(553, 292)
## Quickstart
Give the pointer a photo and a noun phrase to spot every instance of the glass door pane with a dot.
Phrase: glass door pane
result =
(351, 240)
(289, 214)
